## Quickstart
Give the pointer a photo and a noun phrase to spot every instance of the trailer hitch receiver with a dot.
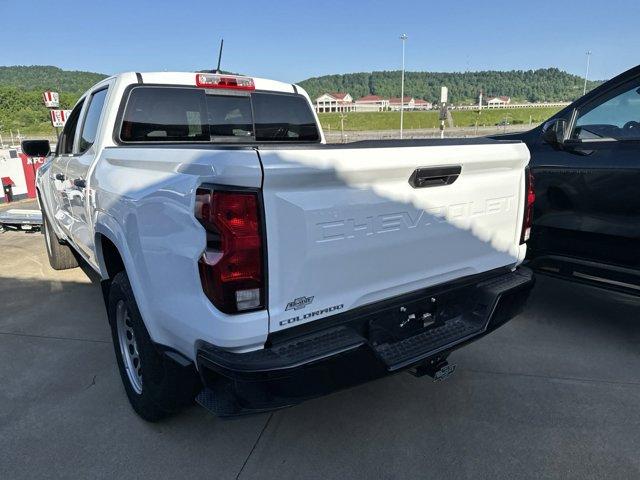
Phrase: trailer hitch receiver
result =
(437, 369)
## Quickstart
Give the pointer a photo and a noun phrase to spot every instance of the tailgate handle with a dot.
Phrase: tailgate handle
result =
(434, 176)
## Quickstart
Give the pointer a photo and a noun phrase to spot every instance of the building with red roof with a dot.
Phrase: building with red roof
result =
(372, 103)
(334, 102)
(407, 102)
(500, 101)
(420, 104)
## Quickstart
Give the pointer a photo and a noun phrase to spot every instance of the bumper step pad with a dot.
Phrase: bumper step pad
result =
(302, 350)
(455, 330)
(405, 352)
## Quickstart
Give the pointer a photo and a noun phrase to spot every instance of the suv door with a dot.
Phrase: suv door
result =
(78, 167)
(588, 205)
(58, 183)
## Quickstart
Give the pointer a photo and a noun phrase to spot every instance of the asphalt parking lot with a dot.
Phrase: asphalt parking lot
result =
(553, 394)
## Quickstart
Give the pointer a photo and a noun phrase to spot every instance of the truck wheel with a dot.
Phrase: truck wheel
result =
(155, 385)
(61, 256)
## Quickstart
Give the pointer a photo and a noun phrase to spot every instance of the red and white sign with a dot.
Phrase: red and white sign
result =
(29, 167)
(59, 117)
(51, 99)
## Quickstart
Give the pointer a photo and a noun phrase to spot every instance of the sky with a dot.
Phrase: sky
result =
(293, 40)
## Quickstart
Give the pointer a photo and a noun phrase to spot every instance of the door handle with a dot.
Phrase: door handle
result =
(60, 177)
(434, 176)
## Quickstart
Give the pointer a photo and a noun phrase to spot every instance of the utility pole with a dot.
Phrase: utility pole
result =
(403, 37)
(586, 75)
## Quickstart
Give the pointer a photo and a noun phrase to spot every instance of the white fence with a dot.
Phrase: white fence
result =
(510, 105)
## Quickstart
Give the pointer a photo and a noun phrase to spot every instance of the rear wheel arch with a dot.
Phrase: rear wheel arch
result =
(168, 385)
(109, 257)
(109, 260)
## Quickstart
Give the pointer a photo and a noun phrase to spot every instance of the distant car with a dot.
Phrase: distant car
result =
(586, 165)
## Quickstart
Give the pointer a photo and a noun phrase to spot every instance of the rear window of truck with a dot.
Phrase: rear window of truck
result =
(175, 114)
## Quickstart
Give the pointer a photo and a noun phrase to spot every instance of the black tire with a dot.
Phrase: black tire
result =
(61, 256)
(159, 386)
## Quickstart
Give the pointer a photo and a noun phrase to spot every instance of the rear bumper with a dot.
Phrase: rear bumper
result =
(360, 345)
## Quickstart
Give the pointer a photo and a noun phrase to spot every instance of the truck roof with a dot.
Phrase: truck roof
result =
(189, 78)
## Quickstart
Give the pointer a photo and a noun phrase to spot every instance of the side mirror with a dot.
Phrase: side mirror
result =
(555, 132)
(36, 148)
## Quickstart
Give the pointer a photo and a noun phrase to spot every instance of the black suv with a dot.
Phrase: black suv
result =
(586, 167)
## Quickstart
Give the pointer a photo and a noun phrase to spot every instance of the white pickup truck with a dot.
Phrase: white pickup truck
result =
(249, 265)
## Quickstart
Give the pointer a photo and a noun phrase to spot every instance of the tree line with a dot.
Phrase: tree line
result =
(542, 85)
(21, 88)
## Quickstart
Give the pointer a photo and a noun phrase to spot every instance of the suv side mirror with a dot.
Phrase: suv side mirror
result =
(36, 148)
(555, 132)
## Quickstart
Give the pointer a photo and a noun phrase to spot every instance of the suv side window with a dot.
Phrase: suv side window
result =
(91, 120)
(617, 116)
(65, 143)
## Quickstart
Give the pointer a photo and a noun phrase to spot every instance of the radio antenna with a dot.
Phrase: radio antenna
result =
(220, 55)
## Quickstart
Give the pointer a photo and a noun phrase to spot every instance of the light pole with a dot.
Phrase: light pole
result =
(403, 37)
(586, 75)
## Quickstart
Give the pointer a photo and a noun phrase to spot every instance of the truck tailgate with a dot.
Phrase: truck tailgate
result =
(348, 225)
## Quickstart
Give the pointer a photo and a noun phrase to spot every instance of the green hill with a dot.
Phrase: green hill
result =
(37, 77)
(549, 84)
(21, 90)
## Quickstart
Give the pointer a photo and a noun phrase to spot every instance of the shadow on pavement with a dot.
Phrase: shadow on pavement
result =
(554, 393)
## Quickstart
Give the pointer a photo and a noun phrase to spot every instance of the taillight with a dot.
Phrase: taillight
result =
(530, 199)
(214, 80)
(231, 268)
